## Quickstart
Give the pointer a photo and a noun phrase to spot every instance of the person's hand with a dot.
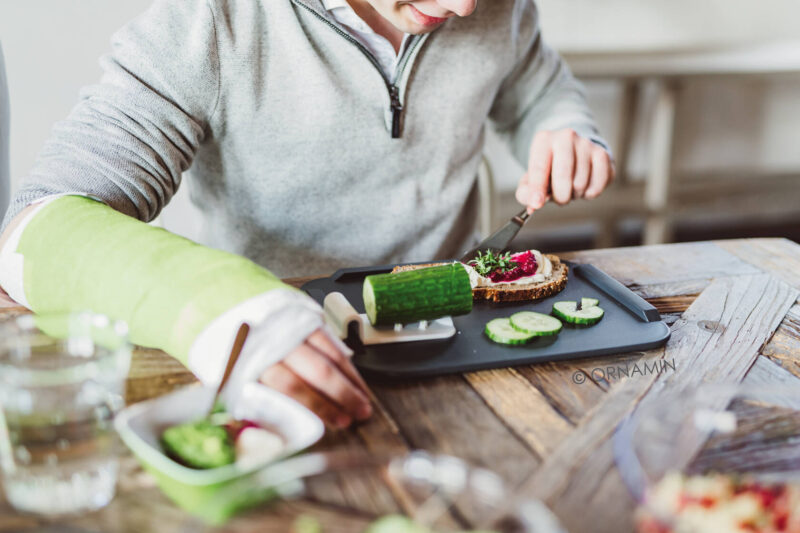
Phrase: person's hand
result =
(563, 165)
(321, 377)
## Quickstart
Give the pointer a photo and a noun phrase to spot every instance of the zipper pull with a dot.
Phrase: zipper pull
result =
(397, 109)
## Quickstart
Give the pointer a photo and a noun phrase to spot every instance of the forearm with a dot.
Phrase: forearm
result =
(79, 254)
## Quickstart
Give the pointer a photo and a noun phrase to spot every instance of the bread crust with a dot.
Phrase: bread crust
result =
(514, 293)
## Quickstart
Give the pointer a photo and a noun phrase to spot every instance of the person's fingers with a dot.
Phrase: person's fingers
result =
(539, 166)
(320, 372)
(322, 341)
(282, 379)
(583, 166)
(601, 172)
(563, 166)
(523, 191)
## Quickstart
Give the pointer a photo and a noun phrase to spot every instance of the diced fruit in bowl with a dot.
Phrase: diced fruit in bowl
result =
(719, 503)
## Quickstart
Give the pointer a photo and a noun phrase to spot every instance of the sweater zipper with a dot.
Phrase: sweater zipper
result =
(395, 104)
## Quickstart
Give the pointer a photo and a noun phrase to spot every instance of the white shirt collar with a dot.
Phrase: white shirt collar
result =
(333, 4)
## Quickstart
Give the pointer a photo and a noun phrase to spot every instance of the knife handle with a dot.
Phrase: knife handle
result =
(521, 217)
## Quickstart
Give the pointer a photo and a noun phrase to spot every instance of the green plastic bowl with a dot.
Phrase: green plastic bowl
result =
(202, 492)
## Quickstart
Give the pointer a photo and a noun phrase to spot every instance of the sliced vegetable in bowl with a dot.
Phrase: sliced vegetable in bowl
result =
(142, 425)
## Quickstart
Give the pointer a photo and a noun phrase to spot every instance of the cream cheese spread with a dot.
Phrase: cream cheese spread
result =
(544, 271)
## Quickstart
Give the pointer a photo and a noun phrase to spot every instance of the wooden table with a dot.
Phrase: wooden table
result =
(734, 313)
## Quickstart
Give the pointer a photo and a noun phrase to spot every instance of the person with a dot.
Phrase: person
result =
(321, 134)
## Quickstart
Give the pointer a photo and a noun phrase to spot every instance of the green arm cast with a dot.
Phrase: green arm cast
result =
(80, 254)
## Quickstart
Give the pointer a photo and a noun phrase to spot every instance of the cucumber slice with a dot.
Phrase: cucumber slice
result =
(414, 295)
(501, 331)
(536, 324)
(589, 302)
(568, 312)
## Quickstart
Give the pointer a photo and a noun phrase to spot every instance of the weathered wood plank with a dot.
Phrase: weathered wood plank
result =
(717, 339)
(671, 289)
(764, 441)
(559, 383)
(784, 346)
(154, 373)
(673, 304)
(366, 493)
(779, 257)
(446, 415)
(765, 373)
(685, 263)
(522, 407)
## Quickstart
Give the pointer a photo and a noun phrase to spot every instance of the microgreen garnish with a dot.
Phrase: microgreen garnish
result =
(489, 262)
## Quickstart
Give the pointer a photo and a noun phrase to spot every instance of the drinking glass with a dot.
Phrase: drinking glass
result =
(62, 380)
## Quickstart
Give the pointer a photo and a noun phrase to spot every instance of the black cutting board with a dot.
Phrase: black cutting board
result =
(629, 324)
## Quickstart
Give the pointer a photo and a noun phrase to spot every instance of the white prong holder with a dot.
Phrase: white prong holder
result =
(339, 314)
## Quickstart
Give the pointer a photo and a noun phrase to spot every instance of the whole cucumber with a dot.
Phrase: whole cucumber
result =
(414, 295)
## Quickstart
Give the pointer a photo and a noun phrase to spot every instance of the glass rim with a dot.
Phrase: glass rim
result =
(94, 344)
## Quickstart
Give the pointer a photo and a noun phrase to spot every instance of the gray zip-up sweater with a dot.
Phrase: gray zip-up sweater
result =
(303, 156)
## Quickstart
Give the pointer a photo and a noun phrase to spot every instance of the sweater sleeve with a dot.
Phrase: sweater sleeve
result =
(540, 93)
(131, 135)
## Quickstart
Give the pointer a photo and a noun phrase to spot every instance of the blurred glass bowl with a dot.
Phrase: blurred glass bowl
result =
(723, 441)
(413, 493)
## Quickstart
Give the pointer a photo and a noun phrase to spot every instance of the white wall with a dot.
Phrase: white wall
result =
(52, 47)
(578, 25)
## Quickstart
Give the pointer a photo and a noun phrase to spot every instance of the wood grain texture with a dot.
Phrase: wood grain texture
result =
(784, 346)
(766, 373)
(522, 407)
(556, 382)
(446, 415)
(717, 339)
(779, 257)
(666, 264)
(154, 373)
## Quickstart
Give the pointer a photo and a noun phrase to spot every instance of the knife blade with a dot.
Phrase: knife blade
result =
(500, 239)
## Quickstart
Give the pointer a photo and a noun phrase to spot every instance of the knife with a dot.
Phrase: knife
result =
(500, 239)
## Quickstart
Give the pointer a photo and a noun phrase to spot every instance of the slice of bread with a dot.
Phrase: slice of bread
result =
(516, 292)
